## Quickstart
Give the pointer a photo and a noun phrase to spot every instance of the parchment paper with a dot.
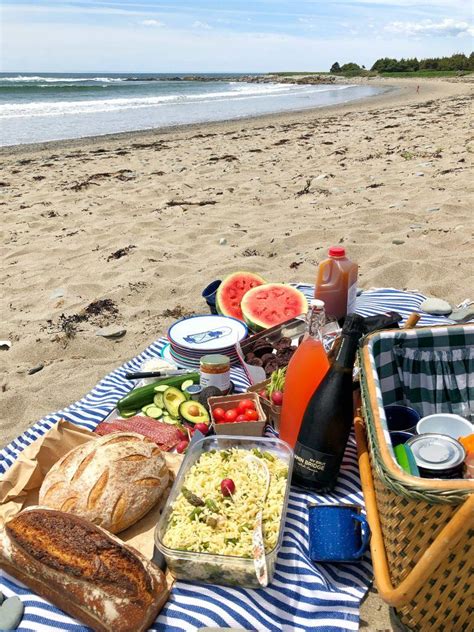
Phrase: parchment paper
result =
(19, 487)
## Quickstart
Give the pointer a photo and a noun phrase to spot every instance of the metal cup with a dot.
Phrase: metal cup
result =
(337, 533)
(401, 418)
(209, 295)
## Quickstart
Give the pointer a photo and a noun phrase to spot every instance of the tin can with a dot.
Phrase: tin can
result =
(437, 455)
(194, 390)
(215, 371)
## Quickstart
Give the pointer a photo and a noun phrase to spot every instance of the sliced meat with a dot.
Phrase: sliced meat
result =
(164, 435)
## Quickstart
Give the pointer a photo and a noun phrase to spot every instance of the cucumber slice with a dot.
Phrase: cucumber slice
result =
(130, 413)
(158, 400)
(169, 420)
(160, 388)
(155, 412)
(185, 384)
(145, 408)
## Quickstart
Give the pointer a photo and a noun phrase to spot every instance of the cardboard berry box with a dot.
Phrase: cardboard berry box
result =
(238, 428)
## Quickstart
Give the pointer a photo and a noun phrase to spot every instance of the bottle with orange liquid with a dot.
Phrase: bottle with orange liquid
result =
(336, 283)
(307, 367)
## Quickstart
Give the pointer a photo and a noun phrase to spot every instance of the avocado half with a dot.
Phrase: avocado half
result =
(194, 412)
(172, 399)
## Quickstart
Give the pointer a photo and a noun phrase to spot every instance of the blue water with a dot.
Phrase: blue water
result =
(50, 106)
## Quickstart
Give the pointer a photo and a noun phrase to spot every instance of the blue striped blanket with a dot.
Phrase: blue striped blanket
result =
(303, 596)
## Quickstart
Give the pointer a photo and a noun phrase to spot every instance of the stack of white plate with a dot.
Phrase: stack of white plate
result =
(191, 338)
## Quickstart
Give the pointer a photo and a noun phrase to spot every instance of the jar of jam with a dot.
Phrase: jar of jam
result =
(215, 371)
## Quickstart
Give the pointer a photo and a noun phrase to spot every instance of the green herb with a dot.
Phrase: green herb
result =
(268, 456)
(231, 540)
(245, 527)
(257, 452)
(192, 498)
(225, 455)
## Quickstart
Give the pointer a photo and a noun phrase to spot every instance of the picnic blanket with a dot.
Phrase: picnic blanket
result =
(303, 596)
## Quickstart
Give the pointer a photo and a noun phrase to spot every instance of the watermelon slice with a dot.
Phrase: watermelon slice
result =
(231, 291)
(272, 304)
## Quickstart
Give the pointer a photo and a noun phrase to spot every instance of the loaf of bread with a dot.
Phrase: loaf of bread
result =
(112, 481)
(83, 570)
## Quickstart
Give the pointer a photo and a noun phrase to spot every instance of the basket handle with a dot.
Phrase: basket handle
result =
(445, 541)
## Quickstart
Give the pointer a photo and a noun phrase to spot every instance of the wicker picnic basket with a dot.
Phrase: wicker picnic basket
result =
(422, 529)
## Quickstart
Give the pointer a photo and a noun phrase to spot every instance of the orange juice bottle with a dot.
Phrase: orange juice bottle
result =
(336, 283)
(305, 371)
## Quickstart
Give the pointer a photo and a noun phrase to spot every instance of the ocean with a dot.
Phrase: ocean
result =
(50, 106)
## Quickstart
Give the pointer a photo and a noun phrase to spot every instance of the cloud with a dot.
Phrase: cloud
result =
(151, 23)
(447, 27)
(201, 25)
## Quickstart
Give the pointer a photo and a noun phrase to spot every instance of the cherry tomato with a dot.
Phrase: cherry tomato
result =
(241, 418)
(251, 415)
(230, 415)
(218, 414)
(246, 404)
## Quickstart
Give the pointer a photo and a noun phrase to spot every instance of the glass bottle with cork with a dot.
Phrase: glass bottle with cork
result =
(305, 371)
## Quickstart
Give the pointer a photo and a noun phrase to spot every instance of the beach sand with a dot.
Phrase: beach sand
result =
(135, 221)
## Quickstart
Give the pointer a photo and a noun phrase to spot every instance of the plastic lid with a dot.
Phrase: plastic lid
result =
(337, 251)
(315, 302)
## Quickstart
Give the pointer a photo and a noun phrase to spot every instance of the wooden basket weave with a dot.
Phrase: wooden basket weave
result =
(422, 529)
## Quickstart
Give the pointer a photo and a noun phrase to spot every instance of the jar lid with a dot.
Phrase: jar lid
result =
(315, 302)
(215, 359)
(436, 451)
(337, 251)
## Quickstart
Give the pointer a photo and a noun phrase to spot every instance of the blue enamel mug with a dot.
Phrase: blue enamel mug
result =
(401, 418)
(209, 295)
(337, 533)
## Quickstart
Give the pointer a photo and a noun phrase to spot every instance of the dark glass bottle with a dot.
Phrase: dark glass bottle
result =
(328, 417)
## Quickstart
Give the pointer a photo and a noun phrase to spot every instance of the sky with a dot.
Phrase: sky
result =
(225, 35)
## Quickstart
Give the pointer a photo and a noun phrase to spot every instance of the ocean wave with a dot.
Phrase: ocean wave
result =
(36, 79)
(92, 106)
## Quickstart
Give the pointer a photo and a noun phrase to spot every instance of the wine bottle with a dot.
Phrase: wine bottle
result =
(328, 417)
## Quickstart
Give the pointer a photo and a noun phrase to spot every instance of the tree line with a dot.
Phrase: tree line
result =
(458, 61)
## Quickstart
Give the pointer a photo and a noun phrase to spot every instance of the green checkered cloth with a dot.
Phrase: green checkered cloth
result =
(430, 369)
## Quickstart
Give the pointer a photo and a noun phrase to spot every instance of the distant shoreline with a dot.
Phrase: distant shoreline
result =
(395, 92)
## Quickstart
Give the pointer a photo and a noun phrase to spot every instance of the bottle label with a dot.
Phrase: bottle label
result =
(351, 298)
(312, 465)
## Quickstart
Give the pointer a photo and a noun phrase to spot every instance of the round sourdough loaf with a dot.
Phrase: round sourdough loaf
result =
(112, 481)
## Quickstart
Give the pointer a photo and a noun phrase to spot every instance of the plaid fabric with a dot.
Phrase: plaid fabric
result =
(427, 368)
(435, 380)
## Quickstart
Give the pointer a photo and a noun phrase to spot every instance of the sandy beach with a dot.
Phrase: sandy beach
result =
(127, 230)
(137, 219)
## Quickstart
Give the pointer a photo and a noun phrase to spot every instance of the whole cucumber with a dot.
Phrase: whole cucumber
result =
(144, 395)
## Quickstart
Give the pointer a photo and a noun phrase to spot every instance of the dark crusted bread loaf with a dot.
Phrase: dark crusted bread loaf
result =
(83, 570)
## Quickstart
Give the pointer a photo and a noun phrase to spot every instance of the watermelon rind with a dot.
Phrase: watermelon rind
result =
(272, 304)
(232, 289)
